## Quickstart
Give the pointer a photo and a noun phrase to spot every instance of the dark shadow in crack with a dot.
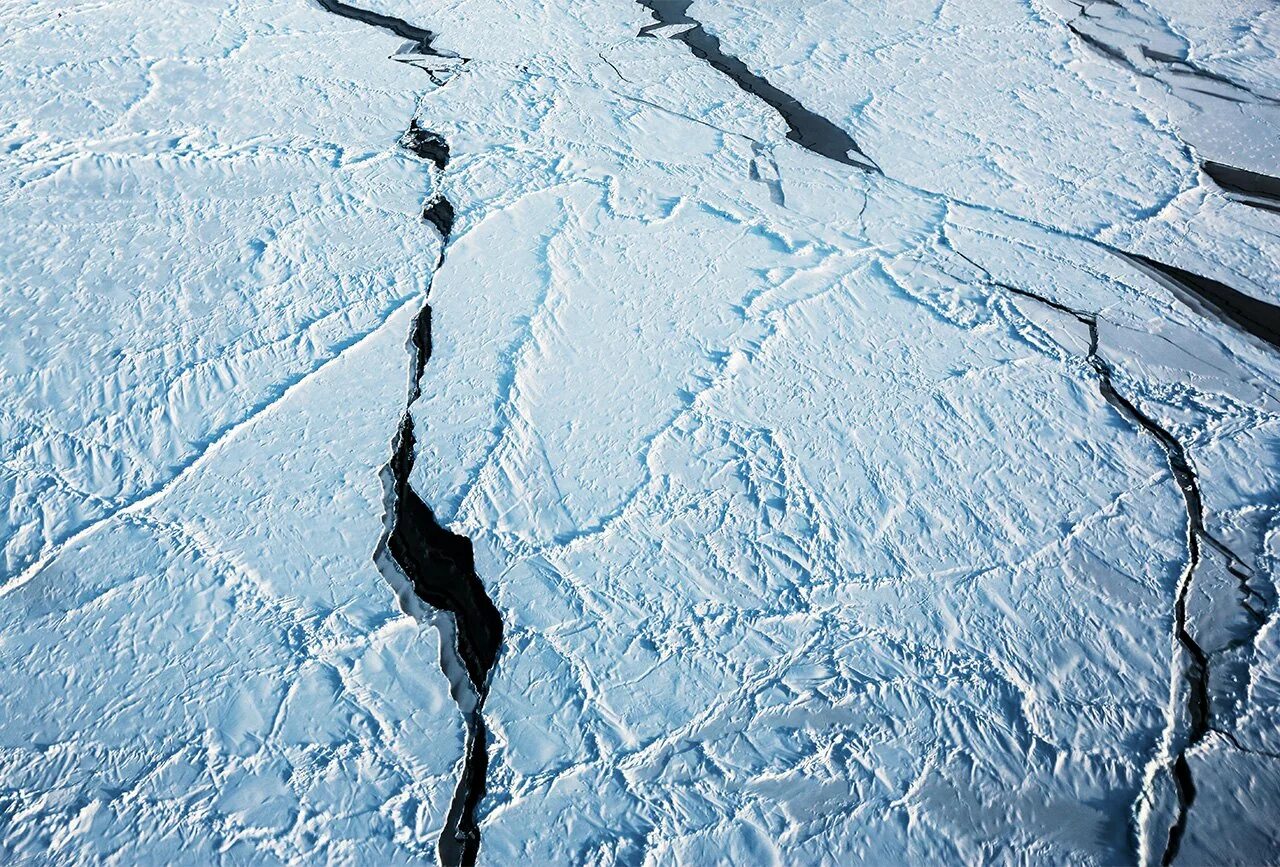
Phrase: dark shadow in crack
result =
(811, 131)
(441, 567)
(426, 144)
(439, 213)
(1218, 300)
(420, 37)
(1251, 188)
(438, 564)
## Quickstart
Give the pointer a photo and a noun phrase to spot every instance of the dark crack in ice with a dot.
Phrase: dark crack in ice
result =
(1216, 300)
(1103, 37)
(415, 554)
(440, 567)
(420, 38)
(426, 144)
(811, 131)
(1249, 188)
(439, 213)
(1196, 710)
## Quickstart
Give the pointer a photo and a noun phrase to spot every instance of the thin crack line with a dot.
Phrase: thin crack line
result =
(195, 462)
(1193, 661)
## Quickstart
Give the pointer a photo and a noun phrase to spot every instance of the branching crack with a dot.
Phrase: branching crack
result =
(1193, 716)
(430, 566)
(1179, 65)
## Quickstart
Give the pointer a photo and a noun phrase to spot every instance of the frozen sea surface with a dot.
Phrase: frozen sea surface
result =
(920, 506)
(212, 258)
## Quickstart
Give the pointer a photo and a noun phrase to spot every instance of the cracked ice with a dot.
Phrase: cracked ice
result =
(845, 434)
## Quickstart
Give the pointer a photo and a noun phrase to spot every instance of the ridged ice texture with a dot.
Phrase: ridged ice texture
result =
(842, 519)
(832, 516)
(212, 257)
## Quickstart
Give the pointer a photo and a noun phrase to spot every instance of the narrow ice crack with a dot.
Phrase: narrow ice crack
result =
(422, 561)
(1236, 745)
(1190, 719)
(811, 131)
(1204, 296)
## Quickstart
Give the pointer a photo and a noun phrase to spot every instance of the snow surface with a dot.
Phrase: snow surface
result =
(815, 534)
(212, 259)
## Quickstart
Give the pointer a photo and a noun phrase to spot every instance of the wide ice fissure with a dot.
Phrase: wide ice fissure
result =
(438, 564)
(824, 546)
(806, 130)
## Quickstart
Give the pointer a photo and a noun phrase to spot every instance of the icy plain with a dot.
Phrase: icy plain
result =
(911, 502)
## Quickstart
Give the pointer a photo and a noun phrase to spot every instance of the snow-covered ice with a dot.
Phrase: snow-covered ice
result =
(212, 259)
(921, 506)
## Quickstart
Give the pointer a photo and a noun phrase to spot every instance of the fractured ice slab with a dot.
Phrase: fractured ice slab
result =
(832, 516)
(811, 538)
(223, 673)
(213, 261)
